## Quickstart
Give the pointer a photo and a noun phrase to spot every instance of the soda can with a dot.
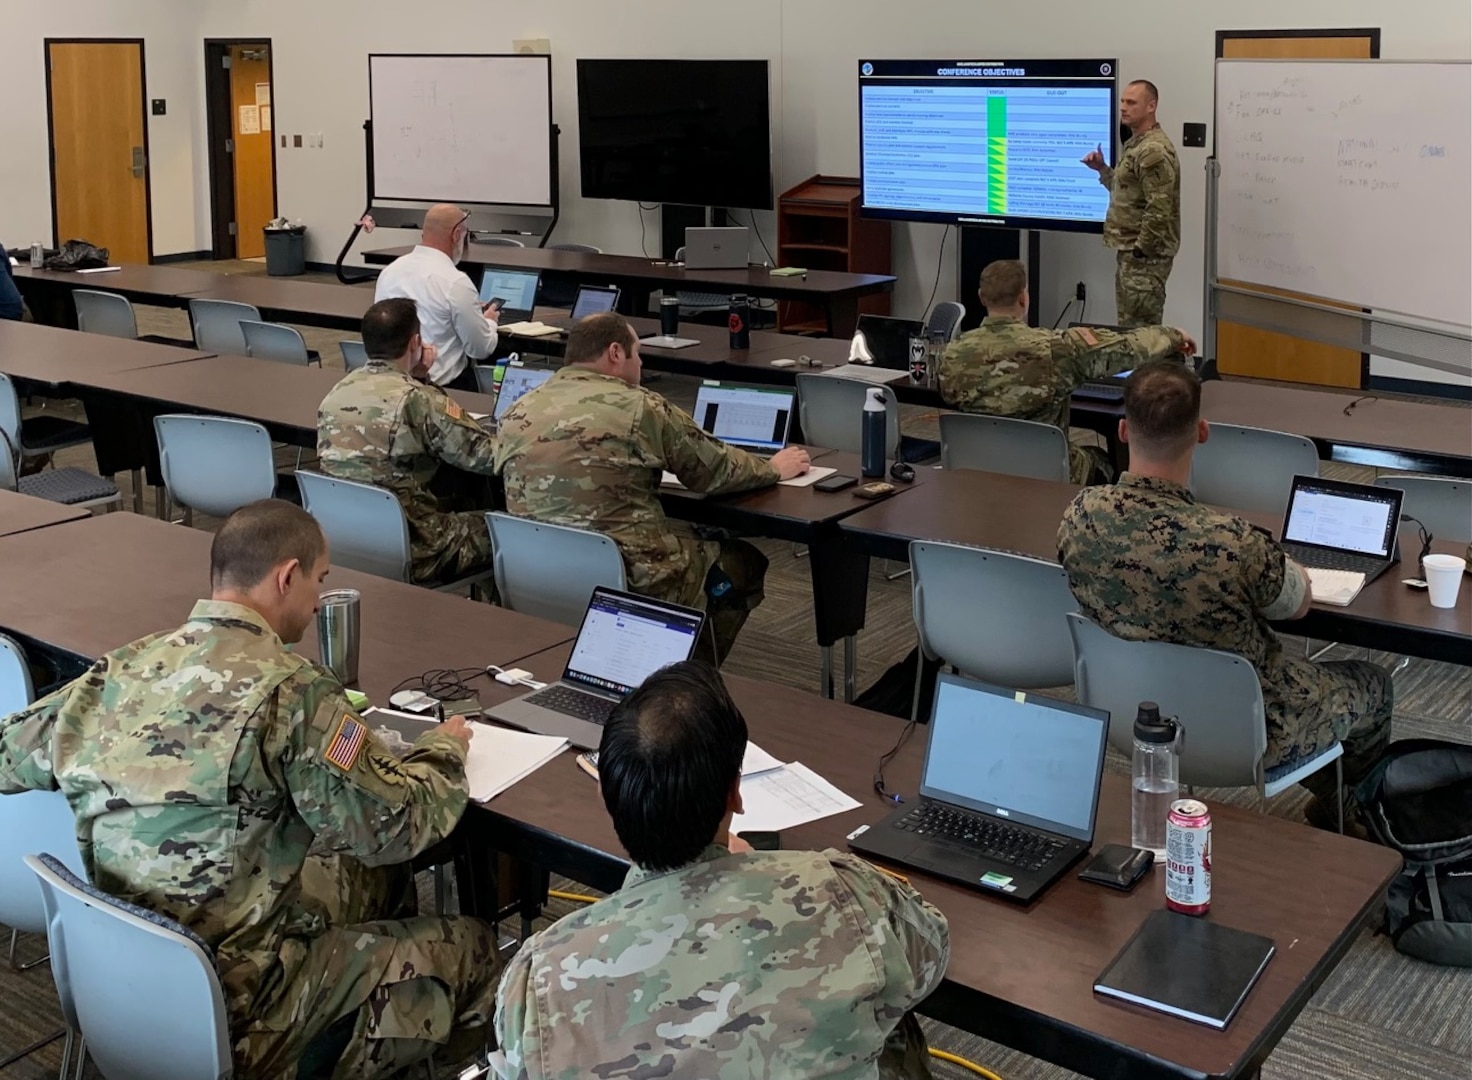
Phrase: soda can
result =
(38, 256)
(1188, 857)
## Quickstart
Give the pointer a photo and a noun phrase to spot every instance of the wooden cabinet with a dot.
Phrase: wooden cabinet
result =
(819, 228)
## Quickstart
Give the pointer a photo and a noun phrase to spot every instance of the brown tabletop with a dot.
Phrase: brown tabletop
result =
(1022, 975)
(309, 303)
(168, 286)
(22, 513)
(89, 586)
(51, 354)
(1382, 431)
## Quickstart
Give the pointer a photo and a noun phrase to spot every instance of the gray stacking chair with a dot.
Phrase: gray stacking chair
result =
(549, 571)
(831, 410)
(273, 341)
(1000, 444)
(214, 464)
(354, 355)
(217, 326)
(1246, 468)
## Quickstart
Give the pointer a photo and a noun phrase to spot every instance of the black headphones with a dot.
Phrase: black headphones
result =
(902, 471)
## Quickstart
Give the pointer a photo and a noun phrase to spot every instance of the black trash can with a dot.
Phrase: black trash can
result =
(286, 251)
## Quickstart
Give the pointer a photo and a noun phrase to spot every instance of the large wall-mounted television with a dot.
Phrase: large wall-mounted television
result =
(696, 132)
(987, 142)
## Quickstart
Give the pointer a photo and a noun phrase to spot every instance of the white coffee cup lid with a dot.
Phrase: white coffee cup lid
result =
(1446, 562)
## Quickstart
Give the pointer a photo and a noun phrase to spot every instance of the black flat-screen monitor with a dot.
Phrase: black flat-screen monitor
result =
(696, 132)
(987, 142)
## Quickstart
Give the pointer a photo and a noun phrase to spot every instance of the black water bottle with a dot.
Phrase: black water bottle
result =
(875, 434)
(740, 322)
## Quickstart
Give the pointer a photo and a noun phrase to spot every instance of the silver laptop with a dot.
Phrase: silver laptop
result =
(516, 288)
(757, 419)
(1334, 525)
(590, 300)
(1008, 795)
(717, 248)
(623, 640)
(516, 383)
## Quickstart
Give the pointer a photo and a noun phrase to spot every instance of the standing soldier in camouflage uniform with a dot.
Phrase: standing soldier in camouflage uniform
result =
(586, 449)
(384, 425)
(714, 960)
(203, 763)
(1006, 368)
(1144, 220)
(1147, 563)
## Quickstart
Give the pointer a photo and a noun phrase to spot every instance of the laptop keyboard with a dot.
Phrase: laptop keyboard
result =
(570, 702)
(987, 836)
(1107, 390)
(1334, 560)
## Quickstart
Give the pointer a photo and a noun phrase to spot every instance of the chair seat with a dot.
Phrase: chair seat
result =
(916, 450)
(1287, 773)
(42, 434)
(70, 487)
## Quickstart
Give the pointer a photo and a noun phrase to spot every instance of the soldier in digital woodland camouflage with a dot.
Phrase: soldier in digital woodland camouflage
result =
(714, 960)
(1006, 368)
(1148, 563)
(203, 763)
(385, 425)
(1143, 225)
(586, 449)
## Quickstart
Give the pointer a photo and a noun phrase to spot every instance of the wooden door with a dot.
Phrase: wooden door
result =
(251, 119)
(1246, 350)
(99, 146)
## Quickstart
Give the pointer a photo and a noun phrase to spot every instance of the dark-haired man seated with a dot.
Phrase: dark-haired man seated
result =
(203, 763)
(713, 959)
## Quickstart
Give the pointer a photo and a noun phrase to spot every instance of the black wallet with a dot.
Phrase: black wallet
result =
(1118, 866)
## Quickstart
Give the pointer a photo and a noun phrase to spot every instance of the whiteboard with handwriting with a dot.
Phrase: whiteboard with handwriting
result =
(1349, 180)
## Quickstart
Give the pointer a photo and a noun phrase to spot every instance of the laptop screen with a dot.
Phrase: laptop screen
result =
(889, 338)
(1346, 517)
(517, 383)
(517, 287)
(1024, 757)
(593, 299)
(751, 417)
(625, 638)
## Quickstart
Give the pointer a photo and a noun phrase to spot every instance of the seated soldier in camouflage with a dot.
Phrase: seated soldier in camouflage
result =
(1148, 563)
(203, 763)
(586, 449)
(386, 425)
(1006, 368)
(713, 959)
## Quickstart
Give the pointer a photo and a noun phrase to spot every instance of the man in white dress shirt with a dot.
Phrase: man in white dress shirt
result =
(451, 316)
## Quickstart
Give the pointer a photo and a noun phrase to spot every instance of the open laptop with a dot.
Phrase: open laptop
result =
(888, 339)
(517, 287)
(623, 640)
(516, 383)
(717, 248)
(1008, 794)
(758, 419)
(590, 300)
(1334, 525)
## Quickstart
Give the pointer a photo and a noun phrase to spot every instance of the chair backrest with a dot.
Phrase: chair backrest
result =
(365, 525)
(831, 412)
(498, 241)
(1215, 695)
(586, 249)
(16, 691)
(141, 988)
(485, 377)
(32, 822)
(9, 412)
(217, 326)
(214, 464)
(680, 253)
(104, 313)
(8, 479)
(1245, 468)
(1000, 444)
(272, 341)
(1443, 505)
(550, 570)
(945, 318)
(992, 615)
(354, 354)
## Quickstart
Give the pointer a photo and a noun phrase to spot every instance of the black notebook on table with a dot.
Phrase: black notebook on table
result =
(1187, 967)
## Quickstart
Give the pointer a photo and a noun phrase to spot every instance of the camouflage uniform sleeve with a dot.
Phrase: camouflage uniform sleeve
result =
(914, 945)
(449, 432)
(1276, 590)
(1086, 352)
(516, 1017)
(1106, 176)
(25, 742)
(1160, 224)
(355, 795)
(701, 462)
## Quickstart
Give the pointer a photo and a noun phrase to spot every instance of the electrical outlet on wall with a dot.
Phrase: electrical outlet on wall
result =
(1081, 292)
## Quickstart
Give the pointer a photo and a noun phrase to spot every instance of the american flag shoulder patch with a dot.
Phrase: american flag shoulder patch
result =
(347, 743)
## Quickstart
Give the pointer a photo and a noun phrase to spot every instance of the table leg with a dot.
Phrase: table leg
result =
(850, 667)
(137, 475)
(825, 671)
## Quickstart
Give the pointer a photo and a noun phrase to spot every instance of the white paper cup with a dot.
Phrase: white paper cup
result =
(1444, 579)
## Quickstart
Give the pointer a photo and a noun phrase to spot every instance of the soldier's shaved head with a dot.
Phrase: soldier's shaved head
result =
(1149, 89)
(260, 537)
(1002, 284)
(1162, 408)
(591, 337)
(441, 220)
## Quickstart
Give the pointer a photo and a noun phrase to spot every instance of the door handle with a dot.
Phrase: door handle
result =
(140, 162)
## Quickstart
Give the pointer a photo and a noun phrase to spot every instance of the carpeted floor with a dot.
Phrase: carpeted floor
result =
(1380, 1016)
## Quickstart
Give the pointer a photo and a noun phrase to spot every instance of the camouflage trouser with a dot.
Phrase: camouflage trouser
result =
(451, 546)
(1139, 289)
(415, 987)
(1314, 704)
(1089, 465)
(742, 570)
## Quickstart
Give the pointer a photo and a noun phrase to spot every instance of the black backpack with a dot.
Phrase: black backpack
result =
(1418, 800)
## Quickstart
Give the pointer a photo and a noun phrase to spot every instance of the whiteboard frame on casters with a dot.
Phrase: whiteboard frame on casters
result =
(1425, 342)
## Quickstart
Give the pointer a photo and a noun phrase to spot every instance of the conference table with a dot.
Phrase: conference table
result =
(55, 356)
(836, 292)
(48, 292)
(23, 513)
(1020, 976)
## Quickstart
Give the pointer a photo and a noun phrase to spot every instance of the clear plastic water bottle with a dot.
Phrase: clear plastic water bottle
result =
(1156, 777)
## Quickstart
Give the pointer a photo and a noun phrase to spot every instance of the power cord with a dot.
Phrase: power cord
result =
(770, 258)
(969, 1066)
(643, 245)
(576, 898)
(445, 684)
(939, 262)
(1071, 301)
(1426, 539)
(884, 761)
(1351, 406)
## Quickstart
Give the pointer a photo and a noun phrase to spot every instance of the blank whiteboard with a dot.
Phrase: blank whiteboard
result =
(1349, 180)
(466, 129)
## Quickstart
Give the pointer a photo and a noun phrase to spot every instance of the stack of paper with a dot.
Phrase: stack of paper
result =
(530, 329)
(1336, 587)
(786, 797)
(880, 375)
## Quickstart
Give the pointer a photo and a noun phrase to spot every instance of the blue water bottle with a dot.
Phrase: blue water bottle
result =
(876, 420)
